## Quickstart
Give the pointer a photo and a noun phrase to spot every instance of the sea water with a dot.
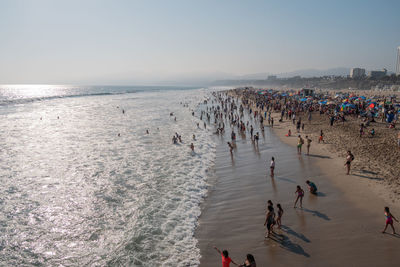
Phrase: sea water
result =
(81, 183)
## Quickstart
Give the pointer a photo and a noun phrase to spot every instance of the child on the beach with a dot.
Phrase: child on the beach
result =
(299, 144)
(300, 194)
(321, 137)
(272, 166)
(311, 187)
(280, 213)
(226, 260)
(389, 220)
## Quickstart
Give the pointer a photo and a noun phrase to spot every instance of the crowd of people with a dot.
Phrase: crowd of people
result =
(231, 108)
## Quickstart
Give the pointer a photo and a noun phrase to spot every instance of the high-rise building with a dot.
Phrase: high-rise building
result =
(377, 73)
(357, 73)
(398, 61)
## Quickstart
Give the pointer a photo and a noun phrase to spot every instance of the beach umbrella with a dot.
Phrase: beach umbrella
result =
(303, 99)
(372, 105)
(363, 97)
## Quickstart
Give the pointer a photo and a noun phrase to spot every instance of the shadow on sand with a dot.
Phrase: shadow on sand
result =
(396, 235)
(319, 156)
(320, 194)
(286, 180)
(287, 244)
(290, 231)
(367, 177)
(318, 214)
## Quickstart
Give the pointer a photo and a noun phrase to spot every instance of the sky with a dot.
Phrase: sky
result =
(137, 42)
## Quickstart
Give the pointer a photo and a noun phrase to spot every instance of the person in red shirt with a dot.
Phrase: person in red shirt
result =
(226, 260)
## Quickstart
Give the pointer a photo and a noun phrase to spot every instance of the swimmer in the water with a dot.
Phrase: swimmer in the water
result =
(194, 137)
(230, 147)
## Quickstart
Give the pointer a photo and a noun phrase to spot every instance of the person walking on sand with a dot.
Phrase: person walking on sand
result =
(389, 220)
(270, 221)
(300, 143)
(249, 261)
(272, 166)
(349, 159)
(300, 194)
(321, 137)
(308, 144)
(226, 260)
(280, 213)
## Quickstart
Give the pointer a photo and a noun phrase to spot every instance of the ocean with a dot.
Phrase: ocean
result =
(83, 184)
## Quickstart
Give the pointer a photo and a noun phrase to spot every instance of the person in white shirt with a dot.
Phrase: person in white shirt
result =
(272, 166)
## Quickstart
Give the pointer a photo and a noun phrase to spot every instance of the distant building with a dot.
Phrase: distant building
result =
(398, 61)
(271, 78)
(357, 73)
(377, 73)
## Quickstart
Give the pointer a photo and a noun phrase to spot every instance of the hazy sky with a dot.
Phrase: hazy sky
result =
(117, 42)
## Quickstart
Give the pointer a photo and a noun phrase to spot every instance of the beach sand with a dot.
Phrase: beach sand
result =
(341, 226)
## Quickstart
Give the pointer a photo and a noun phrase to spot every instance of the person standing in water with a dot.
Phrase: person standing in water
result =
(226, 260)
(230, 147)
(270, 221)
(300, 194)
(272, 166)
(308, 144)
(192, 147)
(389, 220)
(300, 143)
(280, 213)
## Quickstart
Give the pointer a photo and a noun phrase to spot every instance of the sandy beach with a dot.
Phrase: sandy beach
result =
(340, 226)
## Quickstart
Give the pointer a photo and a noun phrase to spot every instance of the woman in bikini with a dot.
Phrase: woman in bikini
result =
(300, 194)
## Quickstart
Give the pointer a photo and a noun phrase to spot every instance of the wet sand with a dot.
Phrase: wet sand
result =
(340, 226)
